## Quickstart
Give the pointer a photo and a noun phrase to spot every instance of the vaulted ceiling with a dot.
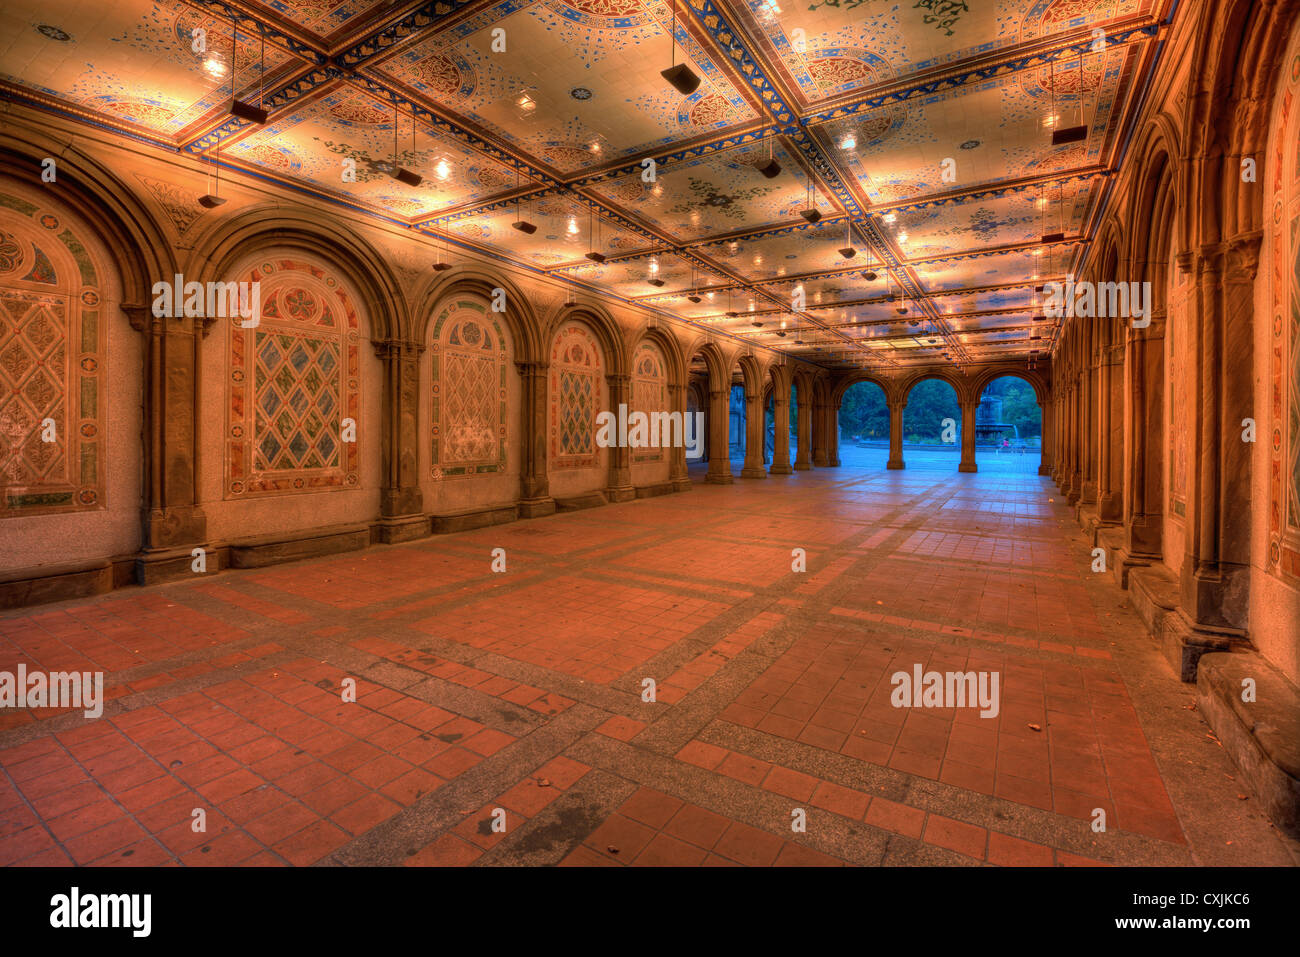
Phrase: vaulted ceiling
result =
(921, 131)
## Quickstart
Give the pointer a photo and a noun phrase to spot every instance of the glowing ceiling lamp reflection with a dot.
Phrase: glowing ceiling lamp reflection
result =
(573, 226)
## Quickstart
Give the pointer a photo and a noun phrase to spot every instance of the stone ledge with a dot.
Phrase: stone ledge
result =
(466, 519)
(47, 583)
(289, 547)
(1154, 593)
(1262, 737)
(590, 500)
(659, 488)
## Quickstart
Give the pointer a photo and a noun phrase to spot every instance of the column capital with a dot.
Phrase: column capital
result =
(531, 367)
(397, 348)
(1243, 256)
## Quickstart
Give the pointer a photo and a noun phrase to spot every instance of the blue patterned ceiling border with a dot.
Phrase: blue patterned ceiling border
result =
(731, 142)
(247, 23)
(729, 42)
(289, 92)
(993, 191)
(999, 251)
(979, 74)
(496, 204)
(383, 39)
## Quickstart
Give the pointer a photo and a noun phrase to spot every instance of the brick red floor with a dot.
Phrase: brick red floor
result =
(506, 718)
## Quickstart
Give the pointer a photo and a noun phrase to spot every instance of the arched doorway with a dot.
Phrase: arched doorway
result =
(1008, 427)
(932, 426)
(864, 426)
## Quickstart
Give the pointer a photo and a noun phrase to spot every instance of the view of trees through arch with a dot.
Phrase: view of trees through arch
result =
(1009, 425)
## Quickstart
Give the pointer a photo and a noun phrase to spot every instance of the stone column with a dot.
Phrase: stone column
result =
(896, 434)
(401, 503)
(1074, 487)
(620, 488)
(1088, 422)
(534, 486)
(833, 435)
(753, 467)
(174, 522)
(1144, 444)
(1045, 459)
(820, 455)
(803, 458)
(781, 431)
(967, 463)
(1110, 435)
(719, 447)
(677, 454)
(1216, 568)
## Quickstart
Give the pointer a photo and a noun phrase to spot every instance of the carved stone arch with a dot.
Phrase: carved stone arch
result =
(141, 254)
(140, 250)
(852, 379)
(1157, 199)
(714, 361)
(607, 330)
(985, 376)
(237, 239)
(752, 373)
(519, 315)
(802, 380)
(908, 383)
(668, 345)
(1239, 46)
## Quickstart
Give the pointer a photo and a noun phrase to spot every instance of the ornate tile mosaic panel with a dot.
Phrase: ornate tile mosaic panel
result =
(649, 392)
(469, 390)
(294, 381)
(577, 394)
(52, 353)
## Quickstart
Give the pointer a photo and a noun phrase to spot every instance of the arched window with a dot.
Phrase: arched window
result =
(52, 355)
(649, 393)
(469, 390)
(576, 394)
(294, 385)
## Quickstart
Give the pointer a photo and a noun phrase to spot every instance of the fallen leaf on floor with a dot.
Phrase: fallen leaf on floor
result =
(1241, 797)
(1034, 727)
(543, 783)
(611, 848)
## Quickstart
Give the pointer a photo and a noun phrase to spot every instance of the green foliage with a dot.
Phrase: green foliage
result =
(1019, 406)
(863, 413)
(928, 404)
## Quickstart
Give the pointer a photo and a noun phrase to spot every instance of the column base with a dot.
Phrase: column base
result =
(1185, 641)
(155, 565)
(536, 507)
(621, 493)
(1043, 470)
(781, 470)
(968, 467)
(682, 485)
(401, 528)
(895, 464)
(753, 473)
(802, 467)
(725, 478)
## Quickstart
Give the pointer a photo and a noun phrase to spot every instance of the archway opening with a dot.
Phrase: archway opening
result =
(932, 426)
(736, 422)
(1008, 427)
(864, 427)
